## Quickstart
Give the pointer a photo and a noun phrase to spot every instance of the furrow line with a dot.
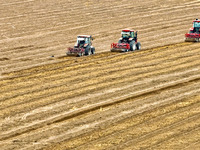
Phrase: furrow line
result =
(93, 107)
(61, 95)
(66, 78)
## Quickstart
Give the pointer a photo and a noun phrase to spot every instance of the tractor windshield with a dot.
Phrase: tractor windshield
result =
(196, 25)
(83, 40)
(80, 41)
(125, 34)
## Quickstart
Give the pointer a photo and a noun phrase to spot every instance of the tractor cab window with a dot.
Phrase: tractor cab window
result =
(191, 31)
(125, 34)
(80, 40)
(196, 25)
(132, 34)
(87, 40)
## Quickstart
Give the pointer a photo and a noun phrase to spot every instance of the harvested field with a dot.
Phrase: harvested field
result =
(146, 99)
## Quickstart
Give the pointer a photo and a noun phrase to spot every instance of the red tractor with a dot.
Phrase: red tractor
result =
(82, 47)
(194, 33)
(128, 42)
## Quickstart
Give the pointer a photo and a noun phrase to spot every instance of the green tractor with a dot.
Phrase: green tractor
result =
(127, 42)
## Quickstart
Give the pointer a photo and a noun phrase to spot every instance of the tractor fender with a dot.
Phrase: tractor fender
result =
(85, 45)
(130, 39)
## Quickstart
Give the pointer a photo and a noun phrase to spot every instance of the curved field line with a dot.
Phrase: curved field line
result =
(153, 118)
(61, 136)
(185, 133)
(92, 107)
(45, 50)
(62, 76)
(60, 91)
(60, 85)
(27, 111)
(102, 10)
(99, 9)
(28, 65)
(164, 69)
(43, 54)
(52, 67)
(178, 124)
(57, 105)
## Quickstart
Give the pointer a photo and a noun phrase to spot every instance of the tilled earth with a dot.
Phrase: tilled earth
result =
(146, 99)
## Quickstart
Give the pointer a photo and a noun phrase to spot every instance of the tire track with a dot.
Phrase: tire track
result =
(96, 106)
(111, 87)
(54, 69)
(179, 125)
(58, 106)
(63, 96)
(131, 126)
(183, 142)
(61, 136)
(61, 79)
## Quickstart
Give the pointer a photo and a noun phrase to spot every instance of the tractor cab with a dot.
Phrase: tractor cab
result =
(83, 41)
(127, 33)
(196, 27)
(128, 36)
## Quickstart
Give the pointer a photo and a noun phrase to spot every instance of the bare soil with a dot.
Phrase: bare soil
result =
(147, 99)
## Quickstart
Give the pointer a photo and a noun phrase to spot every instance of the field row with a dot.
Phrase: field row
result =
(38, 43)
(102, 82)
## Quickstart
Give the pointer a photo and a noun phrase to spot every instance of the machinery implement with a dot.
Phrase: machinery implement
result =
(128, 42)
(82, 47)
(194, 33)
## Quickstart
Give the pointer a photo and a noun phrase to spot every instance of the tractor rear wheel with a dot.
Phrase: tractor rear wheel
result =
(132, 46)
(87, 51)
(93, 50)
(138, 45)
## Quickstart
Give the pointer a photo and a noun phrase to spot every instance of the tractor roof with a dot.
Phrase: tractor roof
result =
(197, 20)
(127, 30)
(84, 36)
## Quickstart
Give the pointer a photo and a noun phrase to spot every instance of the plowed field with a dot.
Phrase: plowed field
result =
(148, 99)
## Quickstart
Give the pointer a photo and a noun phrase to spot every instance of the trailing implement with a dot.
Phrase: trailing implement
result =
(127, 42)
